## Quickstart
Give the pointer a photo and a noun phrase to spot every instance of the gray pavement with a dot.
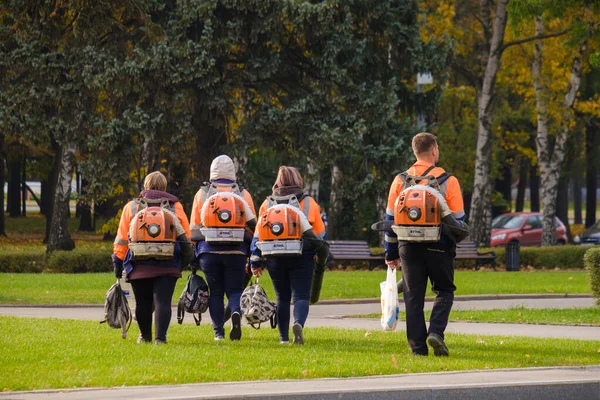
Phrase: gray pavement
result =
(336, 314)
(527, 383)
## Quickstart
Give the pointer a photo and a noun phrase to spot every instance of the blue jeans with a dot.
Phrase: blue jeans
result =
(292, 279)
(225, 274)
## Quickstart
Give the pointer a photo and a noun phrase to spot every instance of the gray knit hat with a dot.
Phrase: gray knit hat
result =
(222, 167)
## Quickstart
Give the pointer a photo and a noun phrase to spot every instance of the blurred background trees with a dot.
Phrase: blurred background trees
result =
(94, 95)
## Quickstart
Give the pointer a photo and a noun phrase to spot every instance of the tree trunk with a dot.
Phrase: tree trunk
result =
(335, 204)
(24, 187)
(520, 200)
(14, 187)
(577, 199)
(504, 185)
(2, 160)
(591, 172)
(481, 206)
(311, 186)
(534, 189)
(85, 210)
(381, 214)
(59, 238)
(551, 160)
(562, 205)
(51, 186)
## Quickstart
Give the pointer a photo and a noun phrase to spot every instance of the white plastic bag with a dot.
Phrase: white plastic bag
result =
(389, 301)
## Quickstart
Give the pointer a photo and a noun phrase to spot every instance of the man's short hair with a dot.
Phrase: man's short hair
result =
(423, 142)
(155, 181)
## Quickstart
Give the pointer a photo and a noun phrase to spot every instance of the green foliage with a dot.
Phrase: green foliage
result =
(520, 315)
(78, 261)
(31, 257)
(592, 261)
(90, 288)
(22, 262)
(150, 85)
(561, 257)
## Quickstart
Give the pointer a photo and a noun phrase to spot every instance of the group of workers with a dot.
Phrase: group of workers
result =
(227, 266)
(224, 264)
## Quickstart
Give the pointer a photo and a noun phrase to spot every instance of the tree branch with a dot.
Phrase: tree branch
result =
(468, 75)
(532, 38)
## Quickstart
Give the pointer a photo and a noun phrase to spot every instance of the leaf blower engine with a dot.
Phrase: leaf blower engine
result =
(418, 211)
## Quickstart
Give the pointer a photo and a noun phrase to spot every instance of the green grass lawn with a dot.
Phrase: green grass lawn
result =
(86, 354)
(91, 288)
(519, 315)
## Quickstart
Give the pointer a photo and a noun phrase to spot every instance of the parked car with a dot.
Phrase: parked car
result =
(590, 236)
(524, 228)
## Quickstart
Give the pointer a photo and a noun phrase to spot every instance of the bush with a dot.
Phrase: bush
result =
(562, 257)
(33, 260)
(78, 261)
(21, 262)
(592, 261)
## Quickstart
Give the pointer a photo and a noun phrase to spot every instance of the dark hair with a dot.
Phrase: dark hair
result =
(423, 142)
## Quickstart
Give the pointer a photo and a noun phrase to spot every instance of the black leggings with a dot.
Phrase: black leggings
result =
(156, 292)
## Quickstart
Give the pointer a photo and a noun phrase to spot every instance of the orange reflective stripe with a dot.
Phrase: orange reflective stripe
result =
(119, 249)
(248, 198)
(314, 215)
(180, 213)
(195, 219)
(453, 196)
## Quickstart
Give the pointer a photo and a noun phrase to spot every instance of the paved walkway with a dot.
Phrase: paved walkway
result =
(527, 383)
(336, 314)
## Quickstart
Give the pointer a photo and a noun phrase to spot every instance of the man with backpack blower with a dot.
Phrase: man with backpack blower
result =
(426, 206)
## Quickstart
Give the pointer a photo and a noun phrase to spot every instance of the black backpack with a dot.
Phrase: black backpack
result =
(116, 310)
(194, 298)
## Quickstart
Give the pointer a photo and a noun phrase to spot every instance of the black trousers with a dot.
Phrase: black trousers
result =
(420, 262)
(158, 292)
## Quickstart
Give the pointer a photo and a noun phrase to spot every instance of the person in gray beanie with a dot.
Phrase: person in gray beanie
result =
(222, 251)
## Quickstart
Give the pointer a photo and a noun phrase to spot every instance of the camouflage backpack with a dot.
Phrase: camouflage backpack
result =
(256, 306)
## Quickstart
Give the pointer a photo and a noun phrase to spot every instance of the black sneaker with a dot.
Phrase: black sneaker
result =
(160, 341)
(439, 347)
(236, 329)
(298, 337)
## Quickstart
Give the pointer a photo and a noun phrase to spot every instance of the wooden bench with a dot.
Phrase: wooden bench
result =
(467, 250)
(355, 250)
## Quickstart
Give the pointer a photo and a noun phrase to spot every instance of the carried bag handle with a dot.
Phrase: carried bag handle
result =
(180, 310)
(197, 319)
(124, 306)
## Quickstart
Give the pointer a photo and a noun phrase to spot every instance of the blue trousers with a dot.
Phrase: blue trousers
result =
(292, 279)
(225, 275)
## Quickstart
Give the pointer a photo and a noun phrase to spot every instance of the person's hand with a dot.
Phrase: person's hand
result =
(393, 264)
(118, 266)
(257, 272)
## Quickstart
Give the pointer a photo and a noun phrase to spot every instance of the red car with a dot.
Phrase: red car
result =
(523, 227)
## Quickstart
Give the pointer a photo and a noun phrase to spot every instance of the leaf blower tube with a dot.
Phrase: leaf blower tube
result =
(323, 257)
